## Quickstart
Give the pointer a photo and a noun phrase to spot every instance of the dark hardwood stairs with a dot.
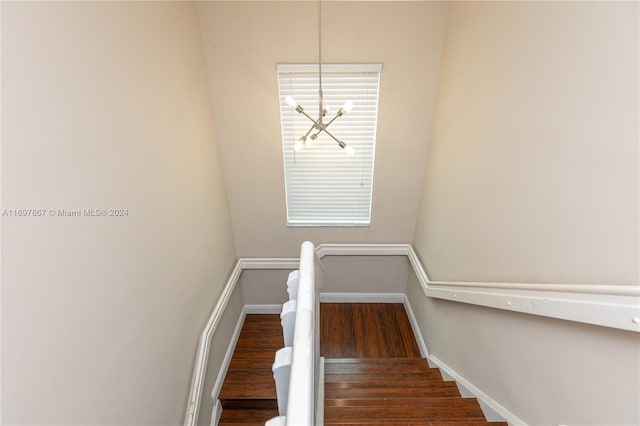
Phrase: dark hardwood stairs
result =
(390, 391)
(248, 394)
(373, 373)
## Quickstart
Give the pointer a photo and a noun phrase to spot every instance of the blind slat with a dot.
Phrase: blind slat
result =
(324, 186)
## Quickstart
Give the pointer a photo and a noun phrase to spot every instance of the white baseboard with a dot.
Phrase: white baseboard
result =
(495, 410)
(217, 413)
(362, 297)
(228, 355)
(263, 309)
(424, 351)
(320, 401)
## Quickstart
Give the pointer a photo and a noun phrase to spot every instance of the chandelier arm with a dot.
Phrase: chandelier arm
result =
(315, 122)
(332, 120)
(313, 126)
(324, 129)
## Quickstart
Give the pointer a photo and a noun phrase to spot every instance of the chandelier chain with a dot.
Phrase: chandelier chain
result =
(320, 95)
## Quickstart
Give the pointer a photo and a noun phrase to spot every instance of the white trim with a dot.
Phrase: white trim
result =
(424, 351)
(200, 367)
(269, 263)
(362, 297)
(606, 310)
(613, 306)
(489, 413)
(217, 386)
(313, 68)
(263, 309)
(607, 290)
(511, 418)
(362, 250)
(616, 306)
(217, 413)
(202, 354)
(320, 398)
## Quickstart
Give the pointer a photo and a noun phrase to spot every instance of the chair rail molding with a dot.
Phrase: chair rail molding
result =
(615, 306)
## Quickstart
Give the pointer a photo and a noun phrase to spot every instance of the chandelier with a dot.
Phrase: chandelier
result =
(319, 125)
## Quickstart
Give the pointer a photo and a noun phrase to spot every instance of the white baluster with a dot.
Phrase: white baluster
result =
(276, 421)
(292, 284)
(281, 374)
(288, 321)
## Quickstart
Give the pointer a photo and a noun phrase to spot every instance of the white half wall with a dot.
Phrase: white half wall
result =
(365, 274)
(106, 105)
(378, 275)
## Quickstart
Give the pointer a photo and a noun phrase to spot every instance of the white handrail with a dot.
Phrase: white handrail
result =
(301, 405)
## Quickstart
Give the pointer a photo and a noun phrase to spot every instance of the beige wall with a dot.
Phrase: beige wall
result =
(219, 345)
(342, 274)
(532, 167)
(365, 274)
(107, 105)
(532, 176)
(243, 43)
(543, 370)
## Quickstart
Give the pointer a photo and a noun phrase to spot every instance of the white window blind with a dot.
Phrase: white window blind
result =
(325, 186)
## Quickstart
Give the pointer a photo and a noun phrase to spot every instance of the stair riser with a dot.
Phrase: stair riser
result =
(382, 393)
(249, 404)
(399, 378)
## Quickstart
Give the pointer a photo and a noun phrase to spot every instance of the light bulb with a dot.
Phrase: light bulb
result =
(312, 138)
(290, 101)
(297, 146)
(349, 150)
(348, 106)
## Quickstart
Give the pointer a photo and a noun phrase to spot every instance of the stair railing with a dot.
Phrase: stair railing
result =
(304, 354)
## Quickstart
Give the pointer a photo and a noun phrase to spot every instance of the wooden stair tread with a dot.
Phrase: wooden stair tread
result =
(409, 401)
(396, 360)
(247, 417)
(248, 390)
(249, 375)
(366, 330)
(249, 382)
(464, 422)
(408, 386)
(378, 366)
(260, 342)
(350, 392)
(426, 376)
(259, 361)
(392, 413)
(377, 391)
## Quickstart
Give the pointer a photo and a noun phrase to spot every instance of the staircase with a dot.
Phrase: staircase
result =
(248, 394)
(388, 383)
(394, 391)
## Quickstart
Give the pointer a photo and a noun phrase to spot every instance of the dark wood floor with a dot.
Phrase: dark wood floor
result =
(248, 393)
(366, 330)
(374, 374)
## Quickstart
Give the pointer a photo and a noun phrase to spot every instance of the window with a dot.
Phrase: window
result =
(325, 186)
